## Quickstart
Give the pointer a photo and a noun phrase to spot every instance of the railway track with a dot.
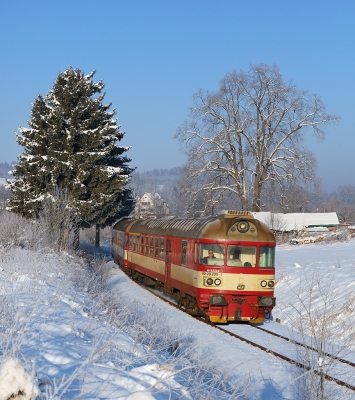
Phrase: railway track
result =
(295, 342)
(350, 366)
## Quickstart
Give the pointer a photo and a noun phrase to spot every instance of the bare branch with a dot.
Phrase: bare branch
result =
(249, 132)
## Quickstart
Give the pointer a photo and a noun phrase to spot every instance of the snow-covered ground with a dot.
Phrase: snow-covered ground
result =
(82, 334)
(319, 280)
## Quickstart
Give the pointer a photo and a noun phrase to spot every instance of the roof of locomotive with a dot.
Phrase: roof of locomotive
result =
(216, 227)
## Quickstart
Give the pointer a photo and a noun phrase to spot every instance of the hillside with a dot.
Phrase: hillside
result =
(77, 327)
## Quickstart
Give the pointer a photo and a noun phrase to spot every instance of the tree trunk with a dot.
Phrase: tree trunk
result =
(97, 236)
(65, 239)
(257, 195)
(244, 202)
(76, 237)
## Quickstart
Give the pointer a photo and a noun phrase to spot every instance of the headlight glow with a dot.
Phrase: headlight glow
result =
(243, 226)
(217, 282)
(263, 283)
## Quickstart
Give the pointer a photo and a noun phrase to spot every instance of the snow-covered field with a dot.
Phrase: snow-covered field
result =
(72, 333)
(317, 281)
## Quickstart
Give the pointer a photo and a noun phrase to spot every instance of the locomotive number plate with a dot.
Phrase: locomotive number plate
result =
(212, 273)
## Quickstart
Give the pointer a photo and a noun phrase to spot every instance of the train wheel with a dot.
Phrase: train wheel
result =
(192, 307)
(159, 286)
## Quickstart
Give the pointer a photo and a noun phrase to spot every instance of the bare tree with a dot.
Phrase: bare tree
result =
(275, 222)
(343, 202)
(346, 213)
(250, 132)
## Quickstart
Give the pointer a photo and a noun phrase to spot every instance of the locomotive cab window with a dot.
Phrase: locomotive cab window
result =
(241, 256)
(267, 257)
(212, 254)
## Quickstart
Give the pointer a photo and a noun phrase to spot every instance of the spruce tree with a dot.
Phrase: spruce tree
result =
(71, 143)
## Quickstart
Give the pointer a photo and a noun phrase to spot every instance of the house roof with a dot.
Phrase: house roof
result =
(152, 196)
(297, 221)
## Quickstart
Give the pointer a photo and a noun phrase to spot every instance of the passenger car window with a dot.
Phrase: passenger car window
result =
(151, 253)
(156, 254)
(184, 252)
(162, 248)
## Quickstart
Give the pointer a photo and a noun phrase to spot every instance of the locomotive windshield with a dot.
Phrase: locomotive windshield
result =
(241, 256)
(237, 256)
(267, 257)
(212, 254)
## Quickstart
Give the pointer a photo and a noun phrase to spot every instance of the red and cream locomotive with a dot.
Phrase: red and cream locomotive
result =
(221, 267)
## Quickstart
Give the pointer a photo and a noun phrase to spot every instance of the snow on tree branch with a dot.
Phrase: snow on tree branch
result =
(251, 131)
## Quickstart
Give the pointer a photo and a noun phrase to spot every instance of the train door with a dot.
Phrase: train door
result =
(167, 264)
(125, 249)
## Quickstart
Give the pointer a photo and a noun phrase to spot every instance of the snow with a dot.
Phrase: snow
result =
(14, 379)
(111, 171)
(297, 221)
(327, 271)
(65, 337)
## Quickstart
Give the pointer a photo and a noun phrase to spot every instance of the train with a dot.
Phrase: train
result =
(219, 267)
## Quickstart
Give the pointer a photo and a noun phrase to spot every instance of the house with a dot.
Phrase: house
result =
(150, 205)
(293, 222)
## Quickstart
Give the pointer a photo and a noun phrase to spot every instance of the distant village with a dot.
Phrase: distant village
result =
(306, 227)
(293, 227)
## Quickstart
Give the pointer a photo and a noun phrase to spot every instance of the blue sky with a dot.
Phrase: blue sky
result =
(153, 55)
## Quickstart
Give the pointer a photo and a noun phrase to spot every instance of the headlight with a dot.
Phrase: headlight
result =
(217, 282)
(271, 284)
(209, 281)
(218, 300)
(263, 283)
(243, 226)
